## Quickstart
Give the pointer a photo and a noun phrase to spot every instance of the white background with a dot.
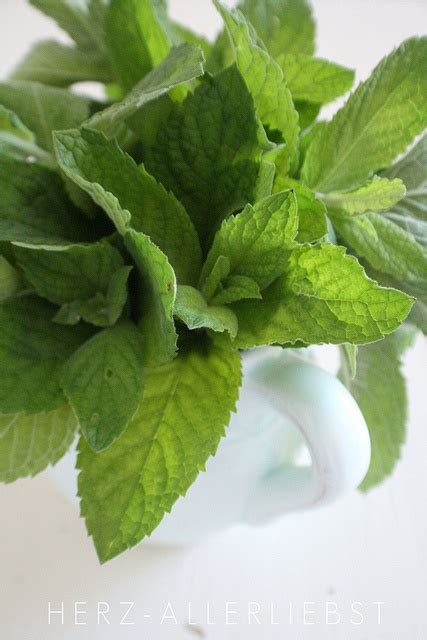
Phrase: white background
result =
(365, 548)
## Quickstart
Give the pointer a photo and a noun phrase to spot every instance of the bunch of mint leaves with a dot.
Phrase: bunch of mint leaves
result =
(200, 210)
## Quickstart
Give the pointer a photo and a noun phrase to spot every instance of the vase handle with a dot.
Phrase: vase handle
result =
(333, 429)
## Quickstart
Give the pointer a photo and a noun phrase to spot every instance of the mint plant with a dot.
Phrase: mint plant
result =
(201, 209)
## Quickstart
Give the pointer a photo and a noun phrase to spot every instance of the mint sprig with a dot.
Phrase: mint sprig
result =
(199, 210)
(377, 123)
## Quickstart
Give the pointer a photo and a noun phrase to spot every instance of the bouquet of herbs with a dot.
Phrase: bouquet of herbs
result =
(199, 209)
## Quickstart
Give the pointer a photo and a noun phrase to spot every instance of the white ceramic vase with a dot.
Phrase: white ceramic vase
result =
(298, 440)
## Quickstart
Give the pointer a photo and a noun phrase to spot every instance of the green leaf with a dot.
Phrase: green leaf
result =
(77, 273)
(32, 352)
(313, 225)
(103, 382)
(286, 26)
(76, 17)
(265, 81)
(235, 288)
(115, 298)
(206, 154)
(157, 298)
(377, 123)
(103, 310)
(135, 39)
(98, 13)
(182, 65)
(35, 209)
(44, 109)
(388, 248)
(148, 121)
(18, 142)
(212, 282)
(411, 212)
(405, 337)
(379, 194)
(10, 281)
(130, 196)
(193, 310)
(379, 390)
(257, 241)
(59, 65)
(314, 80)
(29, 444)
(309, 134)
(11, 125)
(307, 113)
(325, 297)
(418, 315)
(181, 419)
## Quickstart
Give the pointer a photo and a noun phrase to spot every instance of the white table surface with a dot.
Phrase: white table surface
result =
(363, 549)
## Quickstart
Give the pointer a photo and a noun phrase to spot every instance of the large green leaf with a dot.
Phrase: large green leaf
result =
(257, 241)
(103, 382)
(183, 64)
(76, 273)
(130, 196)
(411, 212)
(314, 80)
(379, 194)
(28, 444)
(192, 309)
(325, 297)
(264, 79)
(44, 109)
(286, 26)
(32, 352)
(182, 416)
(35, 208)
(388, 248)
(157, 298)
(60, 65)
(206, 154)
(379, 390)
(377, 123)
